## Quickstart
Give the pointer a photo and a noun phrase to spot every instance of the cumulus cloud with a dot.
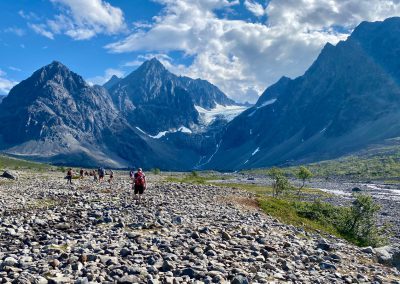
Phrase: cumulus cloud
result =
(82, 19)
(240, 57)
(5, 84)
(108, 73)
(256, 8)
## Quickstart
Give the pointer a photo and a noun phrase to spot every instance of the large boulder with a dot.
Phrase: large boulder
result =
(10, 175)
(389, 255)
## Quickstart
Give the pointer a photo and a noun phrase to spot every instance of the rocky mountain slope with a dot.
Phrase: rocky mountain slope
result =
(1, 98)
(182, 233)
(156, 100)
(55, 116)
(348, 99)
(55, 113)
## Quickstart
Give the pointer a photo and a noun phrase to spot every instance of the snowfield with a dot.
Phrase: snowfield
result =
(161, 134)
(226, 112)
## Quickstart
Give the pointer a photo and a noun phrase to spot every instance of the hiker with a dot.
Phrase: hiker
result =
(131, 174)
(94, 175)
(69, 176)
(111, 177)
(101, 174)
(81, 174)
(139, 183)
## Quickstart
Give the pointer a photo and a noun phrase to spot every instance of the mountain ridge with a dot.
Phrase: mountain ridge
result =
(346, 100)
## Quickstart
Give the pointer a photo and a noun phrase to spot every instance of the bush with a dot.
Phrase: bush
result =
(359, 222)
(156, 171)
(194, 174)
(280, 182)
(303, 174)
(356, 224)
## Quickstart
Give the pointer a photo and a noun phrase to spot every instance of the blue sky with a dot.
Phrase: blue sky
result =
(242, 46)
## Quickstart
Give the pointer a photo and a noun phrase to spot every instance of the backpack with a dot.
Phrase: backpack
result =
(139, 179)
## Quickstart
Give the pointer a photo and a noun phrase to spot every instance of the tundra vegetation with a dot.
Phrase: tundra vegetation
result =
(302, 206)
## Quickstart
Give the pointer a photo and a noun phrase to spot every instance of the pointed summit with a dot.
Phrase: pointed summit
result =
(59, 73)
(152, 67)
(110, 83)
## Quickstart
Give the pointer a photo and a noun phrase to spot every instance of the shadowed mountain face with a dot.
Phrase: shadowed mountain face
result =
(2, 98)
(157, 100)
(348, 99)
(110, 83)
(55, 112)
(55, 116)
(54, 98)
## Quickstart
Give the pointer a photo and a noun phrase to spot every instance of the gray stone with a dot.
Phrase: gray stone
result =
(10, 175)
(239, 279)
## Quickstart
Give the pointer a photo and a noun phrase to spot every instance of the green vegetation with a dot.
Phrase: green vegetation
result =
(382, 164)
(156, 171)
(17, 164)
(280, 182)
(303, 174)
(356, 224)
(197, 177)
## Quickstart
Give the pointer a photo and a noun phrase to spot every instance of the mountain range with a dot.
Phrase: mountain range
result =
(346, 101)
(148, 118)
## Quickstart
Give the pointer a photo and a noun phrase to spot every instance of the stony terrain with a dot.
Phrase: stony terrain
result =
(341, 193)
(51, 232)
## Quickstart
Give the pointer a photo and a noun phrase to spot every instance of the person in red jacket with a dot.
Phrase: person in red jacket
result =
(139, 184)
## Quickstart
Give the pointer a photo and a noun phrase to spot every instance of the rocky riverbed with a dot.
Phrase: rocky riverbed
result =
(51, 232)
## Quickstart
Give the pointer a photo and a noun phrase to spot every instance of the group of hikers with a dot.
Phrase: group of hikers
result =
(138, 178)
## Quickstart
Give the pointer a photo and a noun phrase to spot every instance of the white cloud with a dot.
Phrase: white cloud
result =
(5, 84)
(41, 29)
(28, 16)
(108, 73)
(82, 19)
(16, 69)
(256, 8)
(241, 57)
(15, 30)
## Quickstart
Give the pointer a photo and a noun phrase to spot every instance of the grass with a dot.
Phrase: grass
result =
(286, 211)
(316, 216)
(381, 164)
(261, 190)
(17, 164)
(196, 178)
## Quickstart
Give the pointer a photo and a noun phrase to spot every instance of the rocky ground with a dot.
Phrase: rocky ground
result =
(51, 232)
(341, 193)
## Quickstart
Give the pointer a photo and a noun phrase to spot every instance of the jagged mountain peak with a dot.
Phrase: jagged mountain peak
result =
(112, 82)
(152, 67)
(58, 73)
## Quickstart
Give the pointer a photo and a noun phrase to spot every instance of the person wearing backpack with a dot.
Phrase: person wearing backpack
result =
(139, 180)
(111, 177)
(69, 176)
(101, 174)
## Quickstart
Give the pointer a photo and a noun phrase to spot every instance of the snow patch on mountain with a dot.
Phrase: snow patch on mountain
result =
(227, 113)
(255, 151)
(267, 103)
(264, 104)
(161, 134)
